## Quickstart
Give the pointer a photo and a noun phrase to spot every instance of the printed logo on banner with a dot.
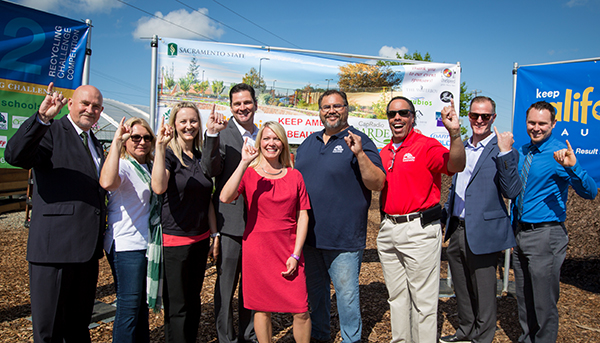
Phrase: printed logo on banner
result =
(3, 141)
(3, 121)
(448, 77)
(172, 49)
(446, 96)
(438, 119)
(447, 73)
(17, 121)
(420, 101)
(442, 137)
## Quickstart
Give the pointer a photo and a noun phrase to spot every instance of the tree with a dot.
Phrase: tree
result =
(355, 77)
(185, 84)
(193, 71)
(251, 78)
(169, 77)
(217, 87)
(201, 87)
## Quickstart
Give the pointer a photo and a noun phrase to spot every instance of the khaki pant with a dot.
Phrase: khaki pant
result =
(410, 259)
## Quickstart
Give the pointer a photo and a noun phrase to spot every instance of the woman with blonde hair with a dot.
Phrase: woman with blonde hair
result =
(276, 200)
(188, 218)
(131, 209)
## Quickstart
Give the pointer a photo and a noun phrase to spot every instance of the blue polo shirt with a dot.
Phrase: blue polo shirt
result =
(546, 190)
(339, 200)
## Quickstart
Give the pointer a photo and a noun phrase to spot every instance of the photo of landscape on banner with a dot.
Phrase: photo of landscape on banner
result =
(288, 86)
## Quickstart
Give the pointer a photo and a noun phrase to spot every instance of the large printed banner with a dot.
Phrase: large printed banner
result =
(35, 49)
(569, 87)
(289, 84)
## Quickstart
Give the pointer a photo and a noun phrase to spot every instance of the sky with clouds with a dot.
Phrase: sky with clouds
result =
(487, 38)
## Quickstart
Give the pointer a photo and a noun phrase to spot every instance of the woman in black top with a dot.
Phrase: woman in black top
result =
(187, 214)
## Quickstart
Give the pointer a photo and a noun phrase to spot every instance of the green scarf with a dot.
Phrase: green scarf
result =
(154, 276)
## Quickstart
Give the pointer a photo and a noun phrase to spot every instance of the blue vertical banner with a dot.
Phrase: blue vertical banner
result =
(573, 88)
(36, 48)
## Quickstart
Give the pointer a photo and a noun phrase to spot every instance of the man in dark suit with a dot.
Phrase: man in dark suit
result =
(478, 223)
(69, 212)
(231, 218)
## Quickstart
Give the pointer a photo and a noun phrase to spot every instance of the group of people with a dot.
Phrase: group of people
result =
(284, 231)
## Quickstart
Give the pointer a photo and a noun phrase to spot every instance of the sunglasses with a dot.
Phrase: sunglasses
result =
(138, 138)
(402, 113)
(484, 116)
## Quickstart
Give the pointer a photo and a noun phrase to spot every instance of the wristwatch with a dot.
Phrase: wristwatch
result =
(216, 234)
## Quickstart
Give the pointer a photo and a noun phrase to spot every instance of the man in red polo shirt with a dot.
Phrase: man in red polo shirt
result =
(410, 237)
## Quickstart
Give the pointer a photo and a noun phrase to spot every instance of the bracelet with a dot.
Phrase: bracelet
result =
(455, 136)
(295, 256)
(216, 234)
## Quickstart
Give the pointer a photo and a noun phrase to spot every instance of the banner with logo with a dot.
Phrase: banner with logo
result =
(573, 88)
(288, 86)
(36, 48)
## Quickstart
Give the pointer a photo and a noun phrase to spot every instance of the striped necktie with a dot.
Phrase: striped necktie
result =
(524, 175)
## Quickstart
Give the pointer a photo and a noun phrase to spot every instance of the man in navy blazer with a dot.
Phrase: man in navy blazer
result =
(69, 213)
(478, 222)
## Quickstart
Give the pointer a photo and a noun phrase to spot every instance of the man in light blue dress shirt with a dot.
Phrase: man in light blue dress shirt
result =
(547, 168)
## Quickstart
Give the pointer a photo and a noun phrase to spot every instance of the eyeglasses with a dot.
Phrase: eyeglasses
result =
(402, 113)
(391, 162)
(335, 107)
(138, 138)
(484, 116)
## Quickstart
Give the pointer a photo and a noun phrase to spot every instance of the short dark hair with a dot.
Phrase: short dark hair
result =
(543, 105)
(332, 92)
(482, 98)
(410, 103)
(240, 87)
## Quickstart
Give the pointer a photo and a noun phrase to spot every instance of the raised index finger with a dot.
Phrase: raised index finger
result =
(569, 146)
(50, 89)
(496, 131)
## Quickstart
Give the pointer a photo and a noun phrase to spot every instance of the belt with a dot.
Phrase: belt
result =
(461, 222)
(427, 216)
(403, 218)
(531, 226)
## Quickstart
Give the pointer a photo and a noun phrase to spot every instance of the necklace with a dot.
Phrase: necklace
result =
(279, 172)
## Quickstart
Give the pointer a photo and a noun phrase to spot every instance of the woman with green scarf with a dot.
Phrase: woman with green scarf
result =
(133, 224)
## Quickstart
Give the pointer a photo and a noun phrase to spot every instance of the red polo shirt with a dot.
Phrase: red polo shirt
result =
(414, 180)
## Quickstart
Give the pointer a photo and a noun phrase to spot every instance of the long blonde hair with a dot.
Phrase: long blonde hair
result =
(174, 143)
(140, 121)
(284, 157)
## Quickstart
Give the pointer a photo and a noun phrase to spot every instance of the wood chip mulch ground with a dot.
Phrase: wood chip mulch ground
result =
(579, 305)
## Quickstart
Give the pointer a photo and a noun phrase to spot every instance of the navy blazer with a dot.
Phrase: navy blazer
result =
(231, 218)
(487, 222)
(69, 211)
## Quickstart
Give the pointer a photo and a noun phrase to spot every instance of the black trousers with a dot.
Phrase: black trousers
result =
(229, 267)
(474, 278)
(184, 275)
(62, 300)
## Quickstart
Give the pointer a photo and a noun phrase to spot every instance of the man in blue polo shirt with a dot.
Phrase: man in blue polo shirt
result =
(547, 169)
(340, 166)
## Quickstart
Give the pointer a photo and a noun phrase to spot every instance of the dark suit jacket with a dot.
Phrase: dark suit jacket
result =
(69, 212)
(487, 223)
(231, 218)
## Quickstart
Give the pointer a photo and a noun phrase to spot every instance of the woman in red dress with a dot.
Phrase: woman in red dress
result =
(273, 276)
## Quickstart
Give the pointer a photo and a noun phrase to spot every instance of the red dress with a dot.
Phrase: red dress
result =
(269, 241)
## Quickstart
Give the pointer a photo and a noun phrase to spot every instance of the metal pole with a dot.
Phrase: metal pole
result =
(85, 79)
(153, 83)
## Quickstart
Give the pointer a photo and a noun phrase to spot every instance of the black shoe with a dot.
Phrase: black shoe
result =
(453, 339)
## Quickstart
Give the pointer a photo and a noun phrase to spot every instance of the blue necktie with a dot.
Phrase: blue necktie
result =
(84, 136)
(524, 175)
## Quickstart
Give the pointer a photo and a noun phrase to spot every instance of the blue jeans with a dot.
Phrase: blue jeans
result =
(342, 267)
(129, 272)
